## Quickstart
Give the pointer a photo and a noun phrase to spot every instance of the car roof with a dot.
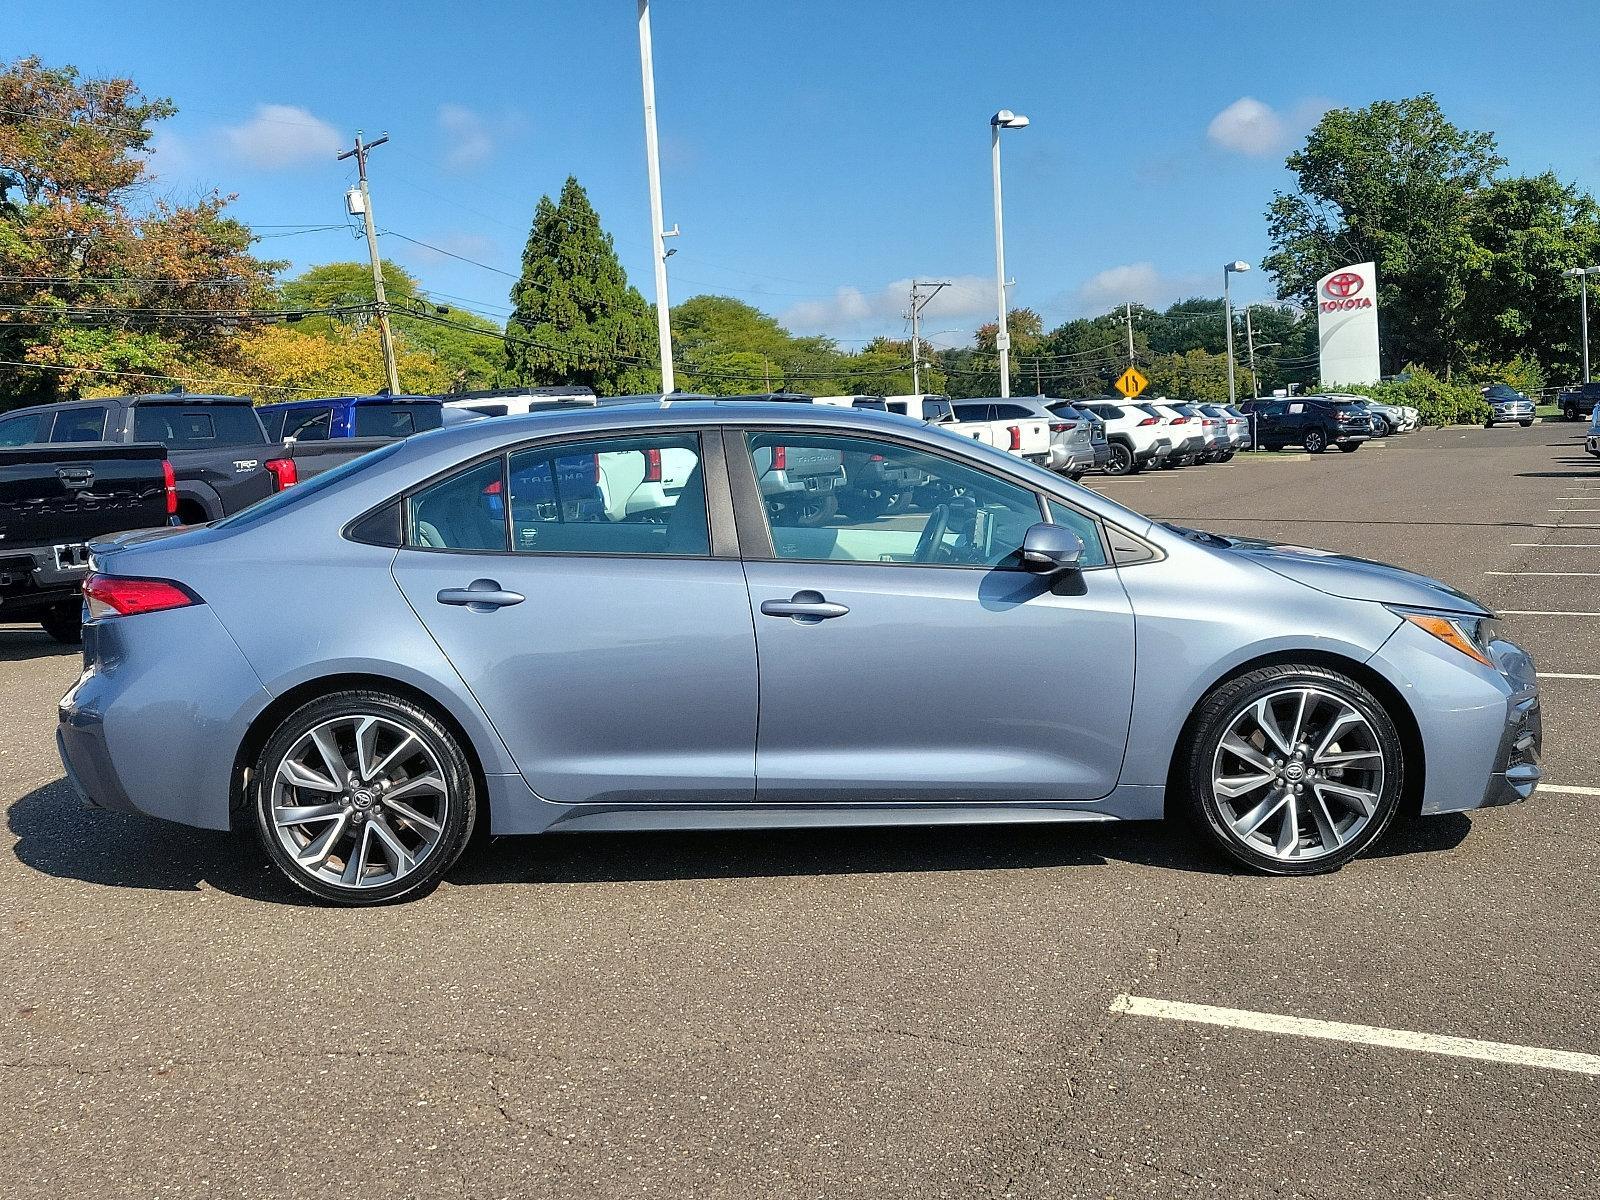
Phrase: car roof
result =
(378, 399)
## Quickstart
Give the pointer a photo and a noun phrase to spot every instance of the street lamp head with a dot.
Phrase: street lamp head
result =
(1574, 272)
(1006, 119)
(1238, 266)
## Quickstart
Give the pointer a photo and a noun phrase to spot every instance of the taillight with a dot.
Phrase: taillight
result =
(652, 466)
(284, 473)
(169, 483)
(876, 458)
(1147, 421)
(114, 596)
(1062, 426)
(1016, 436)
(594, 466)
(492, 489)
(1180, 420)
(780, 458)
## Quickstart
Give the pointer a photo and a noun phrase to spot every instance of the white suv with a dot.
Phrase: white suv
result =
(1137, 438)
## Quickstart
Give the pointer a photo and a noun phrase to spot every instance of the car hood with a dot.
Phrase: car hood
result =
(1348, 577)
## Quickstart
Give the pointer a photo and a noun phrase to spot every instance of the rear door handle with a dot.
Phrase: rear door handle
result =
(806, 607)
(481, 595)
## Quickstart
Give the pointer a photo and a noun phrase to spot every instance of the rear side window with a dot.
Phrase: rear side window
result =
(24, 430)
(1107, 412)
(464, 512)
(197, 426)
(272, 422)
(79, 425)
(639, 495)
(1012, 412)
(308, 424)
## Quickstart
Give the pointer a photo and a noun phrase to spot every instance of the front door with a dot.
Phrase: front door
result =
(613, 653)
(907, 657)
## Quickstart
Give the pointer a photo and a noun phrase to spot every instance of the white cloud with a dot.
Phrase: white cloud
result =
(282, 135)
(1249, 127)
(851, 313)
(469, 142)
(168, 156)
(1139, 283)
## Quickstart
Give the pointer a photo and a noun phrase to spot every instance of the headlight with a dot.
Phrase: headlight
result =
(1470, 635)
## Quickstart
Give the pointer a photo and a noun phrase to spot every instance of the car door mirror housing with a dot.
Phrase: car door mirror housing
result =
(1051, 549)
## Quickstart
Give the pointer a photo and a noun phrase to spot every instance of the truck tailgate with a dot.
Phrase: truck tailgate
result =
(65, 494)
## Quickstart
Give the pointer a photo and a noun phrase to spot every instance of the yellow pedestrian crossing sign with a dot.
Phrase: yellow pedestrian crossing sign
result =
(1130, 383)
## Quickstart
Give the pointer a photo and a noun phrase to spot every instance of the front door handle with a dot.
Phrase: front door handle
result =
(806, 607)
(480, 596)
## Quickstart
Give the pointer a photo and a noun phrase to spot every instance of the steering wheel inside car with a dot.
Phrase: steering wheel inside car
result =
(933, 533)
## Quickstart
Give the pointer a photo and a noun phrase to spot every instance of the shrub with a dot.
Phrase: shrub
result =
(1438, 402)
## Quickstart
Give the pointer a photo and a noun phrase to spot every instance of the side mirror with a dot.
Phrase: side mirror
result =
(1051, 549)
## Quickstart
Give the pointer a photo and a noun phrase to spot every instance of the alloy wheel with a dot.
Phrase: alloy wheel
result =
(1298, 774)
(1121, 460)
(359, 801)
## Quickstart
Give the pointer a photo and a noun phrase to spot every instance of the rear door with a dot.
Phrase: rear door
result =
(614, 654)
(908, 657)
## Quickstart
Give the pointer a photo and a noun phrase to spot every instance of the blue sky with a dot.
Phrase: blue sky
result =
(817, 155)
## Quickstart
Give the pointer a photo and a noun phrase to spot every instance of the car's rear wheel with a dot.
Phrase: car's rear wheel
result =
(1121, 461)
(1316, 442)
(811, 509)
(1526, 424)
(1380, 427)
(1293, 770)
(64, 622)
(1349, 447)
(362, 797)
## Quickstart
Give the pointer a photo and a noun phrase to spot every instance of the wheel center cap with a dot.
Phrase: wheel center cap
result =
(362, 798)
(1294, 772)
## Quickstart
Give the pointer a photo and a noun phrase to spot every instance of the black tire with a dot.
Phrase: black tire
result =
(1380, 427)
(1073, 475)
(1349, 447)
(64, 622)
(1488, 424)
(1228, 457)
(868, 503)
(1526, 424)
(1316, 442)
(1121, 461)
(1170, 464)
(810, 509)
(1212, 721)
(460, 811)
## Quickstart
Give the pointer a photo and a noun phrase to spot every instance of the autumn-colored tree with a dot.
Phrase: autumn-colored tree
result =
(282, 362)
(92, 279)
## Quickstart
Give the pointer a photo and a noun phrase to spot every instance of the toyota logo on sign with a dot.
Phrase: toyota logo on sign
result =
(1345, 283)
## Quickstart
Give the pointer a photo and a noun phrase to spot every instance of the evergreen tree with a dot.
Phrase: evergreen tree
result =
(577, 320)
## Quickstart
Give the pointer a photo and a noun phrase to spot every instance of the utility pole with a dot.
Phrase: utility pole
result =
(1038, 388)
(1127, 311)
(919, 301)
(359, 153)
(1250, 341)
(658, 235)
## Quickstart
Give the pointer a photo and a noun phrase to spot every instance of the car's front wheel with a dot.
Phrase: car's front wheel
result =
(1293, 770)
(1526, 424)
(362, 797)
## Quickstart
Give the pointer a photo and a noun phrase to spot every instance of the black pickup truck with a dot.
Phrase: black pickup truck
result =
(220, 454)
(53, 501)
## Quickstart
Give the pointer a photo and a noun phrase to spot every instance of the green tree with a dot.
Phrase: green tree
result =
(1392, 183)
(94, 278)
(576, 318)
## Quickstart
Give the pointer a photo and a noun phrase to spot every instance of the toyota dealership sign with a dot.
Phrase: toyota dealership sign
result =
(1347, 325)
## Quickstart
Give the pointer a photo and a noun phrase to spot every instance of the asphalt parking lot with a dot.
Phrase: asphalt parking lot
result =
(908, 1013)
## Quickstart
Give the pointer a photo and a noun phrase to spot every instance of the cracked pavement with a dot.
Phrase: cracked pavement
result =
(843, 1013)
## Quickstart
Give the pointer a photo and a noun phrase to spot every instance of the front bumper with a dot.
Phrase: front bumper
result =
(1517, 769)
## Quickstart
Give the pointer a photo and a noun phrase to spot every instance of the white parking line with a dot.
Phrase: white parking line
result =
(1563, 675)
(1361, 1035)
(1566, 789)
(1562, 574)
(1557, 545)
(1572, 510)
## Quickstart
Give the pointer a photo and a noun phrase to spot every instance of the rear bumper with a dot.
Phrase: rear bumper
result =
(37, 577)
(1346, 436)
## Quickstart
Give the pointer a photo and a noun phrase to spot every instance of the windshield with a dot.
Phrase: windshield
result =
(301, 492)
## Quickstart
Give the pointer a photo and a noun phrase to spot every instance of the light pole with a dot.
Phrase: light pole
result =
(1228, 271)
(1582, 275)
(1004, 119)
(653, 164)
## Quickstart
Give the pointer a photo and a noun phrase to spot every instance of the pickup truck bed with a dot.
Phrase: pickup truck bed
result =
(53, 501)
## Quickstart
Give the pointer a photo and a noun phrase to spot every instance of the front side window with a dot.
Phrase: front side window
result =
(1086, 527)
(624, 495)
(79, 425)
(840, 498)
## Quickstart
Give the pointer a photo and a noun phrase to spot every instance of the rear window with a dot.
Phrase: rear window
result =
(396, 420)
(197, 426)
(272, 422)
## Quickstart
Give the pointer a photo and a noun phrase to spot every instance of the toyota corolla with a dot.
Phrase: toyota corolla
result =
(460, 624)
